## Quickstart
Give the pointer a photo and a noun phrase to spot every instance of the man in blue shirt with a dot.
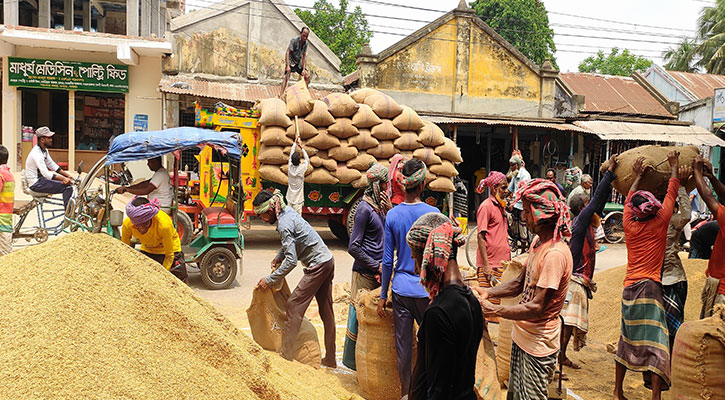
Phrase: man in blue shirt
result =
(410, 298)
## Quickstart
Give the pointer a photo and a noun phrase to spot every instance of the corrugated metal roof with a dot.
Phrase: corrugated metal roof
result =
(701, 85)
(612, 130)
(348, 80)
(238, 91)
(613, 95)
(544, 125)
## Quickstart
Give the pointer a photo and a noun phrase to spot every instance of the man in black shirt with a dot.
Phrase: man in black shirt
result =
(295, 60)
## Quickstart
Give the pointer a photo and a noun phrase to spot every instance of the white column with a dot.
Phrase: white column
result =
(44, 13)
(68, 14)
(71, 130)
(155, 18)
(10, 12)
(132, 17)
(146, 18)
(10, 126)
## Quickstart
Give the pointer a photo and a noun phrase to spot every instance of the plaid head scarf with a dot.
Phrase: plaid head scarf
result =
(647, 209)
(436, 242)
(546, 203)
(373, 195)
(493, 179)
(415, 179)
(276, 203)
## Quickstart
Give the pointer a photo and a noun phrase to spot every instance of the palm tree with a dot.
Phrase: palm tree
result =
(682, 57)
(711, 31)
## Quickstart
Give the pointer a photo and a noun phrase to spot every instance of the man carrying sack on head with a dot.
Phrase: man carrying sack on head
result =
(156, 232)
(299, 242)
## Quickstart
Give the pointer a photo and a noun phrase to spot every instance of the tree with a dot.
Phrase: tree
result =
(524, 23)
(616, 63)
(344, 33)
(711, 32)
(682, 57)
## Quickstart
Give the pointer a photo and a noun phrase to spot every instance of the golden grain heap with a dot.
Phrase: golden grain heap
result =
(85, 316)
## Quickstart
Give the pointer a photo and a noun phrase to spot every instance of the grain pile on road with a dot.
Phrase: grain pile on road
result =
(344, 133)
(85, 316)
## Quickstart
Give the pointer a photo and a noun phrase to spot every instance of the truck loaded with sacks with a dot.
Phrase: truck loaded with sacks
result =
(343, 134)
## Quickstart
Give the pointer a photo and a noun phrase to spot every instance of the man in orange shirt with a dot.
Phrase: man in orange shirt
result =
(644, 344)
(714, 290)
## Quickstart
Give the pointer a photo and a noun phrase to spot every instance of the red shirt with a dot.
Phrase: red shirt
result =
(716, 265)
(491, 218)
(398, 189)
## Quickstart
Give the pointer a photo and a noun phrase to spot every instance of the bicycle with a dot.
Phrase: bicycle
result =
(613, 223)
(518, 236)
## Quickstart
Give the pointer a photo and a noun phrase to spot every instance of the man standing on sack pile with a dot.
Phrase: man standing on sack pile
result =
(544, 283)
(409, 297)
(296, 169)
(295, 59)
(366, 248)
(299, 242)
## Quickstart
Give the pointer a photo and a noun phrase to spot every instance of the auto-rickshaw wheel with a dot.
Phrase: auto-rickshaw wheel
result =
(218, 268)
(185, 227)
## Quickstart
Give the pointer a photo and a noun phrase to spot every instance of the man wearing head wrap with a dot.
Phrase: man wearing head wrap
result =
(645, 233)
(366, 248)
(300, 242)
(157, 234)
(452, 327)
(409, 297)
(492, 238)
(543, 285)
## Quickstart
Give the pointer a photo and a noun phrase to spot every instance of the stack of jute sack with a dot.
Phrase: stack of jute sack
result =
(343, 134)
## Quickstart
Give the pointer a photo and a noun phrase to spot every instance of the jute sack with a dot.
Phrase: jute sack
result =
(307, 130)
(275, 136)
(698, 358)
(428, 156)
(486, 384)
(299, 100)
(360, 183)
(407, 154)
(408, 120)
(442, 184)
(449, 151)
(384, 106)
(365, 117)
(431, 135)
(445, 168)
(316, 160)
(273, 173)
(385, 131)
(273, 155)
(362, 162)
(361, 94)
(285, 169)
(364, 140)
(503, 352)
(273, 112)
(311, 151)
(321, 176)
(323, 141)
(347, 175)
(383, 151)
(342, 128)
(341, 105)
(343, 152)
(430, 177)
(654, 180)
(408, 141)
(320, 115)
(267, 316)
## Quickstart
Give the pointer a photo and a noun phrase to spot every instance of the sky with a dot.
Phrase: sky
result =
(645, 27)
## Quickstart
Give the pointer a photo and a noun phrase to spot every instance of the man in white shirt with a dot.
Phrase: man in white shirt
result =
(158, 187)
(42, 173)
(296, 177)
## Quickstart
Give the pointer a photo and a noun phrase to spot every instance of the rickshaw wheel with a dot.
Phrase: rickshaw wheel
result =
(218, 268)
(184, 227)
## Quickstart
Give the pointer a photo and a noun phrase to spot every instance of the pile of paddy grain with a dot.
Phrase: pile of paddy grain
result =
(85, 316)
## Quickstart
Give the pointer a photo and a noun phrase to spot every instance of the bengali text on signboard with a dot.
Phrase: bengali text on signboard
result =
(67, 75)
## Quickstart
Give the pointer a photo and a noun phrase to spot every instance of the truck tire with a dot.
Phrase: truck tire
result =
(185, 227)
(338, 229)
(351, 214)
(218, 268)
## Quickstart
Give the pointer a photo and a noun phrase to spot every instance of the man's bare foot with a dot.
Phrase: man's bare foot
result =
(329, 364)
(619, 396)
(571, 364)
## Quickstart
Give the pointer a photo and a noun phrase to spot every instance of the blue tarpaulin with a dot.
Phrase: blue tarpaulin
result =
(134, 146)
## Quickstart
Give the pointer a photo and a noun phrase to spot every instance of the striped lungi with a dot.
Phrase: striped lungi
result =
(644, 344)
(484, 282)
(674, 297)
(530, 376)
(576, 313)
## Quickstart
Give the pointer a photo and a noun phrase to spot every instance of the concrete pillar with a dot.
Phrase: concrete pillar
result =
(71, 130)
(549, 74)
(146, 18)
(459, 90)
(132, 17)
(11, 12)
(10, 121)
(255, 27)
(162, 18)
(367, 67)
(87, 16)
(68, 14)
(155, 18)
(101, 23)
(44, 13)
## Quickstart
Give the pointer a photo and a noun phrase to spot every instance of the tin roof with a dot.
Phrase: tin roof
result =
(613, 95)
(663, 133)
(493, 122)
(700, 85)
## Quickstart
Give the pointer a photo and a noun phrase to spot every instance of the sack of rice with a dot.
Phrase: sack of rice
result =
(365, 117)
(273, 173)
(361, 94)
(299, 100)
(407, 154)
(431, 135)
(512, 270)
(385, 131)
(343, 152)
(449, 151)
(311, 151)
(316, 160)
(656, 178)
(321, 176)
(361, 182)
(408, 141)
(320, 115)
(384, 106)
(486, 385)
(364, 140)
(408, 120)
(306, 129)
(430, 177)
(445, 168)
(322, 160)
(362, 162)
(323, 140)
(273, 112)
(341, 105)
(273, 155)
(346, 175)
(285, 169)
(698, 358)
(442, 184)
(342, 128)
(274, 136)
(428, 156)
(383, 151)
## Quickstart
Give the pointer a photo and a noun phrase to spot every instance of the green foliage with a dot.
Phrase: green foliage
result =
(615, 63)
(711, 32)
(682, 56)
(345, 34)
(524, 23)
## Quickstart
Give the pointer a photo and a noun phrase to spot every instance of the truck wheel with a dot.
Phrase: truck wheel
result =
(351, 214)
(218, 268)
(184, 227)
(338, 229)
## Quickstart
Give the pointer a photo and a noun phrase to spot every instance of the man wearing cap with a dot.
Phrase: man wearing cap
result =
(156, 232)
(42, 173)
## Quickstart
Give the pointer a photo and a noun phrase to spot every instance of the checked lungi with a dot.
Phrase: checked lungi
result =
(674, 297)
(530, 376)
(644, 344)
(576, 312)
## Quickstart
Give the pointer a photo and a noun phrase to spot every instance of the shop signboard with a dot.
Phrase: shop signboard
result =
(67, 75)
(140, 123)
(718, 108)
